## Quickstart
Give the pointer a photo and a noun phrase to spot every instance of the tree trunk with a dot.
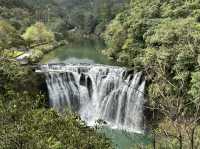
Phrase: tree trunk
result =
(180, 141)
(154, 140)
(192, 138)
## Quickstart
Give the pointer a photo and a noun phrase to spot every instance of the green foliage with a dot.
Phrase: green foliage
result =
(88, 16)
(44, 128)
(195, 88)
(6, 33)
(26, 123)
(104, 10)
(16, 12)
(38, 33)
(162, 38)
(8, 36)
(36, 56)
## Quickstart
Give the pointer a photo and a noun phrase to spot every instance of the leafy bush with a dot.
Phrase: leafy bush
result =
(38, 33)
(8, 36)
(26, 123)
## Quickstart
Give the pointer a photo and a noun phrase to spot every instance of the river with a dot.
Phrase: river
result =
(79, 52)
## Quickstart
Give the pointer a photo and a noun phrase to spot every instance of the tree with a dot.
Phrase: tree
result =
(26, 121)
(38, 33)
(8, 36)
(162, 38)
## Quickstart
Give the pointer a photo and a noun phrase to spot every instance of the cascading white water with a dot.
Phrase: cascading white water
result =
(97, 92)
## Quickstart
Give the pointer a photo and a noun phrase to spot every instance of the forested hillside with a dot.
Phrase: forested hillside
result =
(85, 17)
(162, 39)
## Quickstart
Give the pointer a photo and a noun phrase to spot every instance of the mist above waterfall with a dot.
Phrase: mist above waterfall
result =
(96, 92)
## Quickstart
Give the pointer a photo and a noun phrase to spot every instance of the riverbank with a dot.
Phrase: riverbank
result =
(36, 53)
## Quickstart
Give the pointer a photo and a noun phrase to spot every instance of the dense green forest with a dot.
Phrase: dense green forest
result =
(160, 38)
(87, 17)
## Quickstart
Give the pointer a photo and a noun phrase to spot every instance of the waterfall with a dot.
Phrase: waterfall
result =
(109, 93)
